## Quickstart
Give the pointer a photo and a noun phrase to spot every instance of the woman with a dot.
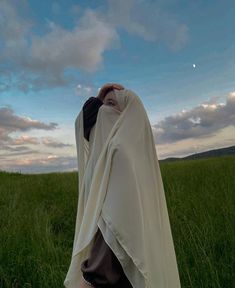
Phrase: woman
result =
(102, 268)
(121, 196)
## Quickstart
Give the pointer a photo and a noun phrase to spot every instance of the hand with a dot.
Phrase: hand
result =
(108, 87)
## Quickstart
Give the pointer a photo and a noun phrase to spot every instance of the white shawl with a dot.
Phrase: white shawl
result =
(121, 191)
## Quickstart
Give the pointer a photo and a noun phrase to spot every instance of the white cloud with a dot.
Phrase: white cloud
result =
(85, 90)
(40, 61)
(81, 47)
(149, 20)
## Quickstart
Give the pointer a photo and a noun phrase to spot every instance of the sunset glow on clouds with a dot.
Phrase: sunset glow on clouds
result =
(55, 56)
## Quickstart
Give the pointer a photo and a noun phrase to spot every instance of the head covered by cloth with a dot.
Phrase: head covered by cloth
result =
(121, 192)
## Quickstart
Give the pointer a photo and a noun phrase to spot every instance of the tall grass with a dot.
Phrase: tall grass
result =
(38, 219)
(201, 203)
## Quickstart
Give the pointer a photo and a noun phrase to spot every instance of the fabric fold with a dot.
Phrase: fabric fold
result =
(121, 192)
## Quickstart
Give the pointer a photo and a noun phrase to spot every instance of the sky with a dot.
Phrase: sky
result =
(177, 56)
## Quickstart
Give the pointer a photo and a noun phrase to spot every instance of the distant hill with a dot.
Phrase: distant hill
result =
(210, 153)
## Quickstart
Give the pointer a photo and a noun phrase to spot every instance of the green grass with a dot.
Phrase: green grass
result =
(38, 214)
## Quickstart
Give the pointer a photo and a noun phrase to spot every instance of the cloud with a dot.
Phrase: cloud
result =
(149, 20)
(50, 142)
(41, 61)
(15, 151)
(189, 146)
(81, 47)
(10, 122)
(207, 126)
(25, 139)
(43, 164)
(85, 90)
(200, 122)
(18, 146)
(15, 27)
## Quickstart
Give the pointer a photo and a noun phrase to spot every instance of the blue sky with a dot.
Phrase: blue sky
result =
(176, 55)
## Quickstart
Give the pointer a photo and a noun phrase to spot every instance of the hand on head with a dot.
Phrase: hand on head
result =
(108, 87)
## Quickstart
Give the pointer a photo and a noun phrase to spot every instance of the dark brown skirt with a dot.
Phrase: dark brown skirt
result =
(102, 268)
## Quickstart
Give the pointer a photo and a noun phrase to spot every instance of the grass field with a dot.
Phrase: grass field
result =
(38, 218)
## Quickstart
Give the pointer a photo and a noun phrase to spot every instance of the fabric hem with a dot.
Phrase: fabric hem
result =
(128, 264)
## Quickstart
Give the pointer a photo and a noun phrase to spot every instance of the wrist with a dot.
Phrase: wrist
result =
(100, 98)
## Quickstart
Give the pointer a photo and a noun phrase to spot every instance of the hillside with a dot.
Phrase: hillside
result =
(210, 153)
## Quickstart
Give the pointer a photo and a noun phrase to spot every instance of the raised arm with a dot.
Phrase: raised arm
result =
(90, 111)
(92, 105)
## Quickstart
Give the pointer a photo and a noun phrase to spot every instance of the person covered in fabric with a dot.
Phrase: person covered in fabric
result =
(102, 268)
(121, 193)
(92, 105)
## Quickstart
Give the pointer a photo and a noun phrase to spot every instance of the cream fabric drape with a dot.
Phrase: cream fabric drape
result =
(121, 192)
